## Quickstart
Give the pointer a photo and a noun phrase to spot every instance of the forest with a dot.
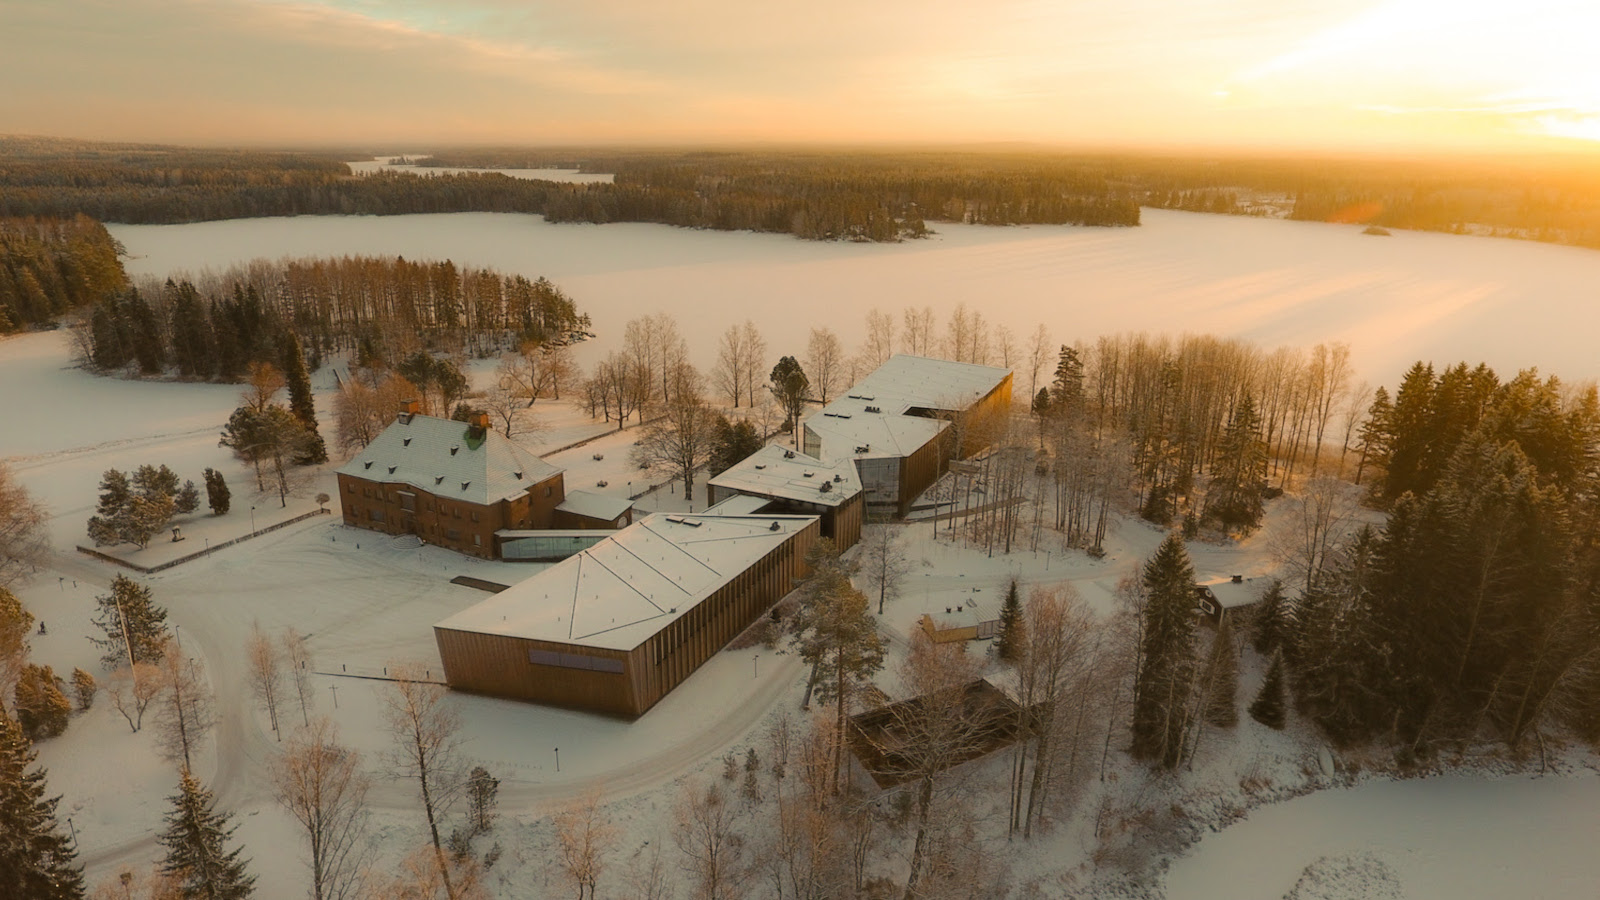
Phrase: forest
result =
(53, 266)
(383, 310)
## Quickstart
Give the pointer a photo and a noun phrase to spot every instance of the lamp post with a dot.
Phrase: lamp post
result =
(558, 759)
(252, 520)
(755, 666)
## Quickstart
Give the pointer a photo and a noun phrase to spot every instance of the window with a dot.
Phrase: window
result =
(377, 515)
(408, 501)
(548, 490)
(574, 661)
(455, 511)
(350, 488)
(477, 540)
(452, 534)
(474, 515)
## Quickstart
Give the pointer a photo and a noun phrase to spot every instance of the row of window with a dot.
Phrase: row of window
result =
(575, 661)
(408, 502)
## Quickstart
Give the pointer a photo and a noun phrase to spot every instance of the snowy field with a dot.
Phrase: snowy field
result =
(571, 176)
(1393, 299)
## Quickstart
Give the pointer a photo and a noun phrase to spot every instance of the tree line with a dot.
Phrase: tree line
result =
(53, 266)
(382, 310)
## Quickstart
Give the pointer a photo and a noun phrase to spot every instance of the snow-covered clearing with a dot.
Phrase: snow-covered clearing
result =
(1394, 300)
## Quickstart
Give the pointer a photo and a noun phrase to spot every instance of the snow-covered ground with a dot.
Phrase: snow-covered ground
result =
(366, 602)
(387, 164)
(1414, 295)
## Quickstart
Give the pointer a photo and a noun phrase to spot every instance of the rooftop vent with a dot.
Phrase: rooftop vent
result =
(465, 485)
(775, 527)
(761, 465)
(454, 448)
(807, 474)
(837, 479)
(788, 454)
(438, 479)
(874, 409)
(405, 442)
(864, 448)
(837, 415)
(367, 464)
(517, 475)
(392, 468)
(826, 487)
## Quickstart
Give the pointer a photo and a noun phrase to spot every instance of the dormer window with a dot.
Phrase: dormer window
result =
(438, 479)
(454, 449)
(392, 468)
(405, 442)
(465, 485)
(367, 464)
(517, 475)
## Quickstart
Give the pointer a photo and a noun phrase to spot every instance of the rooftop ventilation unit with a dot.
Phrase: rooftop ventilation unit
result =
(787, 454)
(837, 415)
(761, 465)
(826, 487)
(775, 527)
(807, 474)
(874, 409)
(517, 475)
(864, 448)
(837, 479)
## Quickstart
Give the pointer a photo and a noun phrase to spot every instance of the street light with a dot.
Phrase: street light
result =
(558, 759)
(755, 665)
(252, 520)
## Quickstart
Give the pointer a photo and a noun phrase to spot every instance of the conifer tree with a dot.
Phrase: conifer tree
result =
(42, 707)
(84, 688)
(1166, 665)
(145, 635)
(36, 859)
(1222, 678)
(218, 496)
(1272, 620)
(1270, 706)
(1009, 645)
(1234, 500)
(789, 384)
(835, 633)
(196, 839)
(1067, 395)
(301, 402)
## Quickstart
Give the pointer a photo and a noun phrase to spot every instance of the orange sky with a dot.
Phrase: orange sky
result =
(1379, 75)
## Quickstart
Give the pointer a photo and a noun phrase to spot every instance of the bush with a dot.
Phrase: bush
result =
(83, 685)
(42, 708)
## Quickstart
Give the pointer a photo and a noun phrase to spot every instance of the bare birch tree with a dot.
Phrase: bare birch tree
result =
(713, 850)
(879, 343)
(298, 659)
(188, 710)
(729, 373)
(824, 362)
(585, 837)
(884, 563)
(425, 727)
(24, 540)
(320, 784)
(755, 362)
(265, 667)
(916, 330)
(1319, 518)
(132, 690)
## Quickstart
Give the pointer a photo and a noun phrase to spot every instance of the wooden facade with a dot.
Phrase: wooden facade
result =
(624, 683)
(399, 508)
(840, 524)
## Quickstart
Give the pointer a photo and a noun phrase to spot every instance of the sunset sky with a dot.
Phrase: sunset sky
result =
(1379, 75)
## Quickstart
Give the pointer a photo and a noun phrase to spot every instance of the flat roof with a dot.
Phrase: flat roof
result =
(440, 457)
(595, 506)
(782, 474)
(873, 417)
(623, 590)
(740, 505)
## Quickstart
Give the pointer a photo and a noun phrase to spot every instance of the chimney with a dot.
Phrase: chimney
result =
(480, 420)
(409, 408)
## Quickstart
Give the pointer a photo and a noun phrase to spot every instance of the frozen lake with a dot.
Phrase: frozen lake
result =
(571, 176)
(1394, 299)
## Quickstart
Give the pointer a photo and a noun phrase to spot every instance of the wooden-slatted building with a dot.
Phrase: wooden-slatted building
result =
(617, 626)
(903, 424)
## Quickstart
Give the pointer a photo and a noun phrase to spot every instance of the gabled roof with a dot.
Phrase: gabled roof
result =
(590, 505)
(618, 593)
(783, 474)
(439, 456)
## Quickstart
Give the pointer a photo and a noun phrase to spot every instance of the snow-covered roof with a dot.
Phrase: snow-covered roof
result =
(439, 456)
(595, 506)
(618, 593)
(784, 474)
(740, 505)
(905, 381)
(874, 413)
(1232, 596)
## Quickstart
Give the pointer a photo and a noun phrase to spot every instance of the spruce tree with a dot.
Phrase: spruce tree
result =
(42, 706)
(195, 838)
(301, 402)
(1222, 678)
(146, 633)
(36, 859)
(1008, 646)
(1272, 619)
(1166, 664)
(1270, 707)
(1240, 473)
(218, 497)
